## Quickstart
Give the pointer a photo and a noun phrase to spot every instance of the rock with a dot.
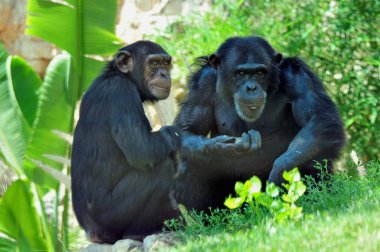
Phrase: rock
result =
(5, 13)
(160, 241)
(97, 248)
(127, 245)
(151, 243)
(35, 51)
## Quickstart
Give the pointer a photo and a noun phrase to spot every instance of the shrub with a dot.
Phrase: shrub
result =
(339, 40)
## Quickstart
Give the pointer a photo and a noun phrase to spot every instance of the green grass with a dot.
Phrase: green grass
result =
(341, 216)
(351, 231)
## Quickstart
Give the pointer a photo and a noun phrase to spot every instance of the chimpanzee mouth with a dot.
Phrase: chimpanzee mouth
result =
(160, 84)
(249, 113)
(160, 92)
(162, 88)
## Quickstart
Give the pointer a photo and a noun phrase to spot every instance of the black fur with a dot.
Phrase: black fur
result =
(121, 170)
(299, 124)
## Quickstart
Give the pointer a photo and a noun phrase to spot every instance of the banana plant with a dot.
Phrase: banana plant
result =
(85, 30)
(20, 224)
(35, 114)
(19, 87)
(21, 90)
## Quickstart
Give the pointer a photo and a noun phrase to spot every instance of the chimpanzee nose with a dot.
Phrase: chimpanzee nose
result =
(162, 73)
(251, 87)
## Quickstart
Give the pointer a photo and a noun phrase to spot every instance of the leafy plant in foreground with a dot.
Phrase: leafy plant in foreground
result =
(35, 114)
(282, 207)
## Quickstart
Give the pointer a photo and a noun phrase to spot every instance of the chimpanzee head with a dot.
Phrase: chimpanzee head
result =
(148, 65)
(247, 70)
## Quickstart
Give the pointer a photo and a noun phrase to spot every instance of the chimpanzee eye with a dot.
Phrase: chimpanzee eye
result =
(241, 73)
(260, 73)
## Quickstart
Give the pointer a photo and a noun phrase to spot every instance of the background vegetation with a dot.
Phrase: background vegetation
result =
(338, 39)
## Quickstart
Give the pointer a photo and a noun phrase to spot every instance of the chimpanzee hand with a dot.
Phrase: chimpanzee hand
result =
(248, 141)
(275, 176)
(281, 164)
(172, 135)
(218, 143)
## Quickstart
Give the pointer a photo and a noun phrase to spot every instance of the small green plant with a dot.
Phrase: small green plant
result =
(282, 207)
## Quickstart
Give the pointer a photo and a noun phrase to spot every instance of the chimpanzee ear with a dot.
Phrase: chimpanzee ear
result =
(277, 58)
(124, 62)
(214, 60)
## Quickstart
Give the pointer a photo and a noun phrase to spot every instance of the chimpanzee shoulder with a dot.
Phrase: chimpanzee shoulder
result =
(203, 76)
(201, 83)
(297, 76)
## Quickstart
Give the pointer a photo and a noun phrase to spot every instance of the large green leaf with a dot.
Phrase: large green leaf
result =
(83, 28)
(91, 64)
(26, 83)
(54, 113)
(19, 219)
(95, 19)
(14, 128)
(7, 245)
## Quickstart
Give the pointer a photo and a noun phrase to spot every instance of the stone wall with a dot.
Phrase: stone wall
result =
(12, 25)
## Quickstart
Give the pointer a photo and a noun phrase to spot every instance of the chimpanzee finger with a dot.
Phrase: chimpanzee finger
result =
(255, 138)
(218, 142)
(243, 143)
(224, 139)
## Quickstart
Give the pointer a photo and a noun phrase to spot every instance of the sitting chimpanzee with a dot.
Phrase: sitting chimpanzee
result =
(121, 170)
(264, 114)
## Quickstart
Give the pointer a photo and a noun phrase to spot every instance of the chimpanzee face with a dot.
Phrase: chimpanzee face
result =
(149, 67)
(244, 75)
(249, 91)
(157, 75)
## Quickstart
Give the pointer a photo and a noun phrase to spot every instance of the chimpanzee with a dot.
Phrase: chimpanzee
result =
(251, 111)
(121, 170)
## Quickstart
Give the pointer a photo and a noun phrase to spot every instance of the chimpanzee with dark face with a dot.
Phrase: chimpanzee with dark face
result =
(252, 112)
(121, 170)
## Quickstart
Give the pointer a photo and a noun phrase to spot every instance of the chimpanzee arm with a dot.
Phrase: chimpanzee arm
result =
(131, 131)
(196, 118)
(196, 121)
(321, 131)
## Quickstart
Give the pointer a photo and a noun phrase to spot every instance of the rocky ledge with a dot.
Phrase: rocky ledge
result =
(151, 243)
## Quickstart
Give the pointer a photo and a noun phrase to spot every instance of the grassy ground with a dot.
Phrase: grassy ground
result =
(343, 216)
